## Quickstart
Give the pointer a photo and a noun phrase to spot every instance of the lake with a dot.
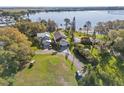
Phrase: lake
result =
(81, 16)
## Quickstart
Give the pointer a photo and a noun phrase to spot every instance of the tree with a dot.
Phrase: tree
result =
(73, 24)
(67, 22)
(109, 25)
(8, 62)
(87, 26)
(28, 14)
(43, 22)
(73, 29)
(90, 79)
(30, 29)
(113, 35)
(51, 26)
(117, 37)
(16, 50)
(100, 27)
(102, 75)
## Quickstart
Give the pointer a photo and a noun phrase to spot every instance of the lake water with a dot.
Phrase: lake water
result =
(81, 16)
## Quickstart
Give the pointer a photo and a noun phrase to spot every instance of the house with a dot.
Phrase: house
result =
(77, 40)
(46, 44)
(2, 44)
(63, 44)
(95, 41)
(58, 36)
(44, 40)
(60, 40)
(7, 21)
(89, 41)
(86, 41)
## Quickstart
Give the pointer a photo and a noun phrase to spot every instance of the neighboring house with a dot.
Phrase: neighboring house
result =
(77, 40)
(63, 44)
(95, 41)
(58, 36)
(2, 44)
(89, 40)
(44, 40)
(86, 40)
(6, 21)
(60, 40)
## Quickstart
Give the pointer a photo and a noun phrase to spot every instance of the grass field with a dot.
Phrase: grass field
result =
(48, 70)
(79, 34)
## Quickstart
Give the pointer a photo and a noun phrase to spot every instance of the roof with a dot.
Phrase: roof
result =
(77, 40)
(58, 35)
(46, 41)
(63, 42)
(96, 40)
(2, 43)
(41, 35)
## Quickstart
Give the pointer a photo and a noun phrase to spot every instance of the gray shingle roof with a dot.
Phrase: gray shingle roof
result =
(58, 35)
(41, 35)
(63, 42)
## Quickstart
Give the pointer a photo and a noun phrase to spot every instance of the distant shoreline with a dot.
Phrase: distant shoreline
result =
(48, 9)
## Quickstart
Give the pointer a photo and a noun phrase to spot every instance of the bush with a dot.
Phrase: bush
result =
(86, 41)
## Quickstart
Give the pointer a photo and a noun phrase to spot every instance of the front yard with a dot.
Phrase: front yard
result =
(48, 70)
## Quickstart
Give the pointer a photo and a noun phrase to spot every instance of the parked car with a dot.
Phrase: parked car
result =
(78, 75)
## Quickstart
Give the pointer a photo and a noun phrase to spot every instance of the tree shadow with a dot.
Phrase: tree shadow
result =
(120, 64)
(30, 66)
(80, 57)
(105, 57)
(84, 60)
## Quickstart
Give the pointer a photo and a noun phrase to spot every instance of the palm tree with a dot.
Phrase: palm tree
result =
(67, 22)
(87, 26)
(43, 21)
(28, 14)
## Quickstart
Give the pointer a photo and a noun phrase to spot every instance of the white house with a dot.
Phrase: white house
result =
(44, 40)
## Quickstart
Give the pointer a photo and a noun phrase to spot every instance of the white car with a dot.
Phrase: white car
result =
(78, 73)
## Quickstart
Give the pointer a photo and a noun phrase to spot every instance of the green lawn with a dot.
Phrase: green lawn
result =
(100, 36)
(79, 34)
(3, 82)
(48, 70)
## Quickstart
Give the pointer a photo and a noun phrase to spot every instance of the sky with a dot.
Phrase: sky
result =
(60, 3)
